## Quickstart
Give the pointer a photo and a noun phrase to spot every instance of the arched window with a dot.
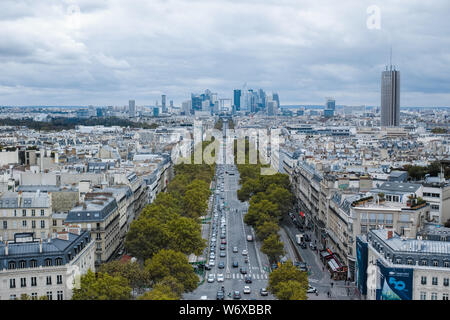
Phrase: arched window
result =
(22, 264)
(33, 263)
(11, 265)
(48, 262)
(58, 261)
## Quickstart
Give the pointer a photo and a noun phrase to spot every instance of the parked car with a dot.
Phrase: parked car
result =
(223, 247)
(313, 246)
(223, 241)
(223, 254)
(207, 266)
(212, 262)
(263, 292)
(311, 290)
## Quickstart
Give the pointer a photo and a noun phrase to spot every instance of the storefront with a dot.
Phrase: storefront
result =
(333, 264)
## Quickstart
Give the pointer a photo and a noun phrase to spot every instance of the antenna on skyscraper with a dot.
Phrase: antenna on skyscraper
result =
(390, 58)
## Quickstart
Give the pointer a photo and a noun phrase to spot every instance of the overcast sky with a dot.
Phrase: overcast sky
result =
(105, 52)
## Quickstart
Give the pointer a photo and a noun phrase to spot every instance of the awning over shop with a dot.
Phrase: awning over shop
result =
(333, 265)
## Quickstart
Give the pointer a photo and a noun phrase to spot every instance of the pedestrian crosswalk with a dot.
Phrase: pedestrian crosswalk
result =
(237, 275)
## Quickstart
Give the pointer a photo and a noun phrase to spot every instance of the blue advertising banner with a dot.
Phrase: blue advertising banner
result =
(395, 283)
(361, 265)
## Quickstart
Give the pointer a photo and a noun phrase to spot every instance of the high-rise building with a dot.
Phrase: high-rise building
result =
(272, 109)
(186, 107)
(390, 98)
(131, 108)
(163, 104)
(330, 104)
(237, 99)
(276, 98)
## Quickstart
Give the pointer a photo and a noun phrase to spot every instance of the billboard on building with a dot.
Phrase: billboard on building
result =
(394, 283)
(361, 265)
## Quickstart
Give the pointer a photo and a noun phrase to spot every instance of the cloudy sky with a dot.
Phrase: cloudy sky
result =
(105, 52)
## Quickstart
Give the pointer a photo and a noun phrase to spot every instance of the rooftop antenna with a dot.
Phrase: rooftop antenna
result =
(390, 58)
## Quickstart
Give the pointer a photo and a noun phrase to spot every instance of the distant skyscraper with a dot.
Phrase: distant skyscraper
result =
(276, 98)
(272, 109)
(163, 103)
(186, 107)
(237, 99)
(390, 98)
(131, 109)
(245, 103)
(331, 104)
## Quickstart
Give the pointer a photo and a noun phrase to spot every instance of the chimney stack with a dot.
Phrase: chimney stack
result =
(390, 234)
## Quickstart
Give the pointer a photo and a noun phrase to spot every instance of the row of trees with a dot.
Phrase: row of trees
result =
(62, 123)
(166, 232)
(433, 169)
(270, 199)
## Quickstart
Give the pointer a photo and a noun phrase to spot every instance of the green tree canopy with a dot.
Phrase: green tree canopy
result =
(160, 292)
(273, 247)
(281, 282)
(167, 263)
(186, 236)
(146, 237)
(132, 271)
(291, 290)
(102, 286)
(266, 229)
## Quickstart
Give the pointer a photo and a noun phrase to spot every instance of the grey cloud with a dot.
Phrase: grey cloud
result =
(305, 50)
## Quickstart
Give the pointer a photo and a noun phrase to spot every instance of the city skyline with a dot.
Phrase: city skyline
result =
(71, 53)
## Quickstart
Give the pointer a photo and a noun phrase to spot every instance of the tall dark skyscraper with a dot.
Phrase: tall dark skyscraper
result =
(390, 98)
(163, 103)
(237, 99)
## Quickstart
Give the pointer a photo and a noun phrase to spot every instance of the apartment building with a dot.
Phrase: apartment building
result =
(100, 215)
(398, 268)
(25, 212)
(50, 268)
